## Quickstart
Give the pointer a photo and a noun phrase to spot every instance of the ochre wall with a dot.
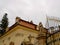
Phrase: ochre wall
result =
(17, 35)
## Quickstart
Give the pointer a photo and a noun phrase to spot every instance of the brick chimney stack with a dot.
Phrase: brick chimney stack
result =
(17, 19)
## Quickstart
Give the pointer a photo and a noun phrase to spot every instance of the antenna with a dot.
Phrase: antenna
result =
(47, 23)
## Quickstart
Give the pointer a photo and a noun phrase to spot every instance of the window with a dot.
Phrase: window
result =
(11, 43)
(59, 39)
(21, 43)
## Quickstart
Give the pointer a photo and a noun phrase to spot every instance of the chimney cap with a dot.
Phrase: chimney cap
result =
(17, 17)
(40, 24)
(31, 21)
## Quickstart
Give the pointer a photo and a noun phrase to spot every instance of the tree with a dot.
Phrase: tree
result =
(4, 21)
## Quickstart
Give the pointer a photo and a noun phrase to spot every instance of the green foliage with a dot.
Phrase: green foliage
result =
(4, 21)
(4, 24)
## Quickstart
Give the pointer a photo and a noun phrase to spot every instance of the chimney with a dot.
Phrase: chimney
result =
(39, 26)
(17, 19)
(31, 21)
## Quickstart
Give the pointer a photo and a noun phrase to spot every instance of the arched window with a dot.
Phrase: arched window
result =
(21, 43)
(11, 43)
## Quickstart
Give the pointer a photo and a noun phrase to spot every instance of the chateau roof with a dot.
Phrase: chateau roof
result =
(25, 24)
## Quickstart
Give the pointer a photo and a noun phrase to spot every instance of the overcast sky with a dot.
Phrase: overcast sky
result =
(35, 10)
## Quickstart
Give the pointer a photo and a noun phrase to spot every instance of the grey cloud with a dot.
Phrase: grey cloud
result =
(35, 10)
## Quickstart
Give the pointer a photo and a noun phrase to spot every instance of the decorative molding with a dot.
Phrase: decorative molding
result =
(9, 38)
(11, 43)
(3, 41)
(4, 44)
(19, 34)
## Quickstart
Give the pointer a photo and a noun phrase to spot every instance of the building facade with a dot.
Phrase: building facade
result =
(28, 33)
(24, 33)
(53, 38)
